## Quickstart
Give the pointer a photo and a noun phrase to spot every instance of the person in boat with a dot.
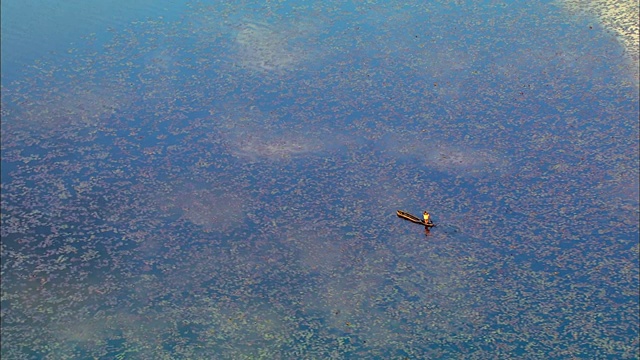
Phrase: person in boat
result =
(427, 217)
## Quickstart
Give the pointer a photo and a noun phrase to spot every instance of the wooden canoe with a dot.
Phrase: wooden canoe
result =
(414, 219)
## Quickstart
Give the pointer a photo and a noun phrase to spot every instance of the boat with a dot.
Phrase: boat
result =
(414, 219)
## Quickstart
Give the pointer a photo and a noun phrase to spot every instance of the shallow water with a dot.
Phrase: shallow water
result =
(222, 183)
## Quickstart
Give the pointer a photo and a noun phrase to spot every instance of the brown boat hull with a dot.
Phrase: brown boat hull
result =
(414, 219)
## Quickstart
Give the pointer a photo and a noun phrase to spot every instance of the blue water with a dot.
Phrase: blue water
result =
(206, 181)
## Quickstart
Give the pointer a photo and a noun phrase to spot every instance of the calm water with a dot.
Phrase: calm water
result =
(220, 182)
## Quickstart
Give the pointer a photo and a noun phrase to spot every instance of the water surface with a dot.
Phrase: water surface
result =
(222, 181)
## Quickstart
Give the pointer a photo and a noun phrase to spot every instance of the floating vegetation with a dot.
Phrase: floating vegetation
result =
(620, 16)
(208, 208)
(256, 137)
(223, 185)
(262, 49)
(254, 145)
(442, 156)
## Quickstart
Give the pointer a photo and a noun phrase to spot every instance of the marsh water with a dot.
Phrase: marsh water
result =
(221, 182)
